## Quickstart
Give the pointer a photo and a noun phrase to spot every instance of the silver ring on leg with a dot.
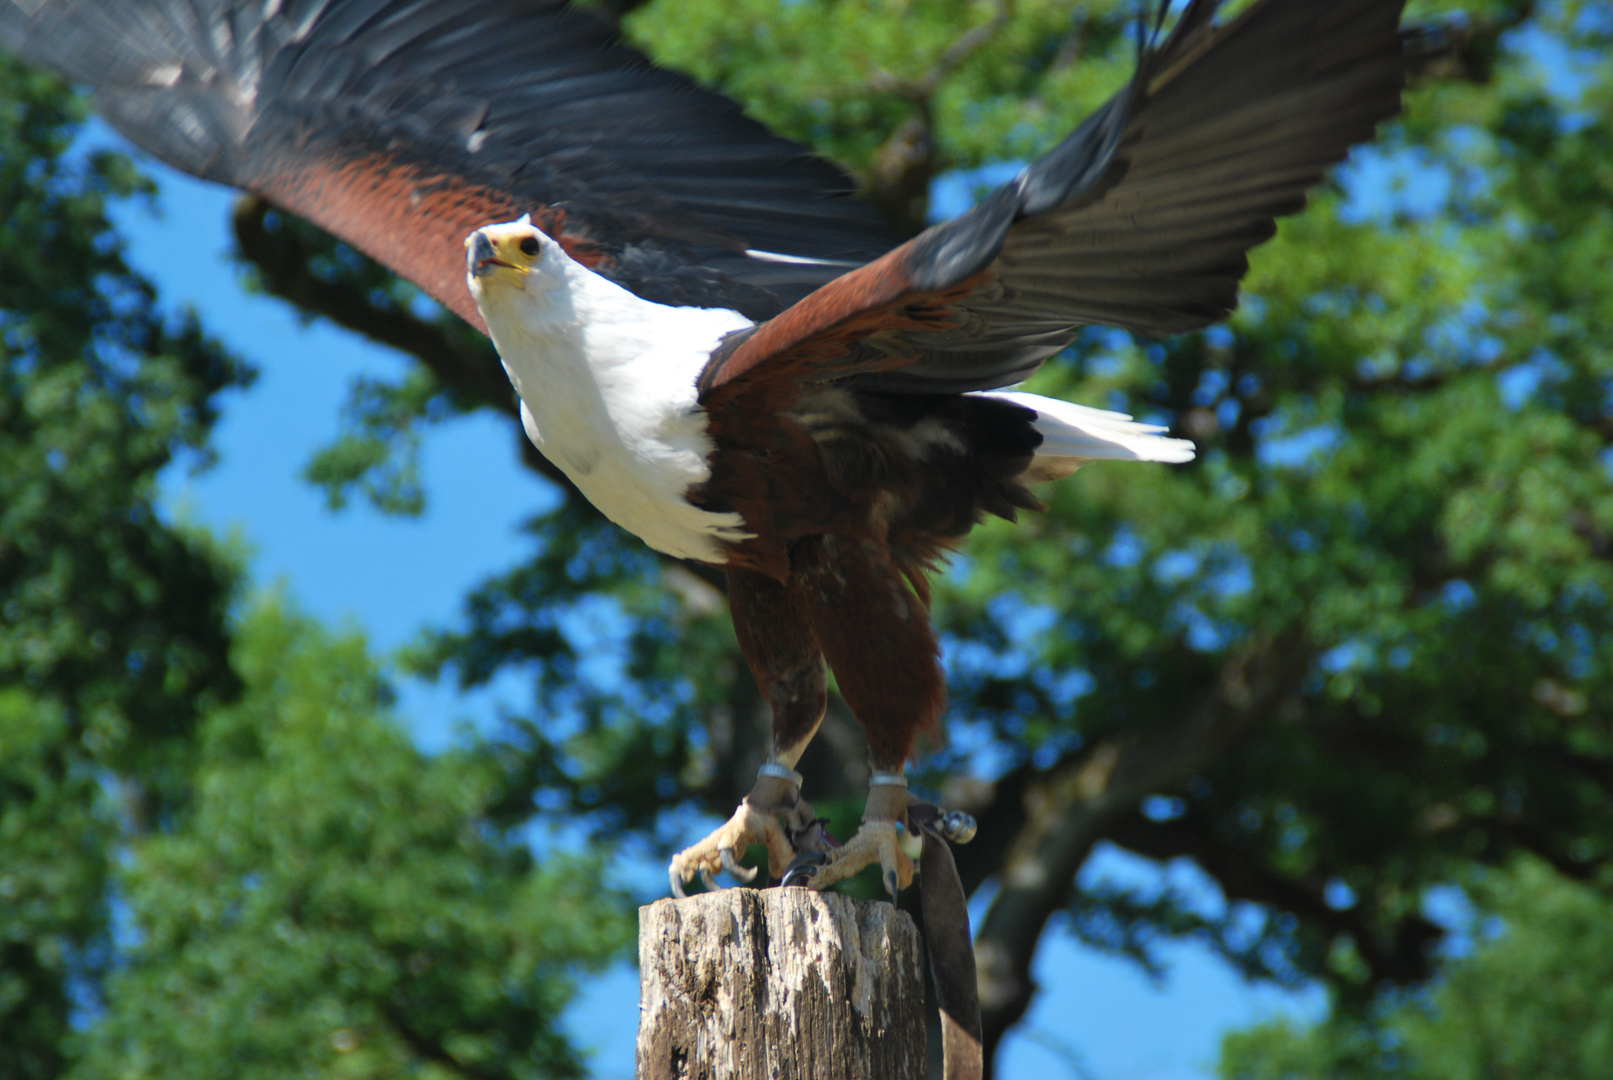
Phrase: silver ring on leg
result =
(779, 772)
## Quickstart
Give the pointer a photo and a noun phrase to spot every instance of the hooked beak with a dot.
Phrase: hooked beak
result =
(481, 256)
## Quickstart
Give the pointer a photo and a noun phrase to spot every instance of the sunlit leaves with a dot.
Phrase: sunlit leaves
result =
(1530, 999)
(336, 904)
(831, 72)
(112, 620)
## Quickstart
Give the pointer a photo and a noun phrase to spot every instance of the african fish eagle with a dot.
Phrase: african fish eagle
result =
(729, 354)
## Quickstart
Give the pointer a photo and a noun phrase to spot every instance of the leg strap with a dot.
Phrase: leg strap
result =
(778, 791)
(887, 798)
(779, 772)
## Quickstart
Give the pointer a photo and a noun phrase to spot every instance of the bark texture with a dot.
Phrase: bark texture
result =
(779, 984)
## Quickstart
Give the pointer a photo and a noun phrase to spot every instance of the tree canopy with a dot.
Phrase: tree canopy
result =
(335, 903)
(112, 622)
(1358, 651)
(1530, 1000)
(218, 853)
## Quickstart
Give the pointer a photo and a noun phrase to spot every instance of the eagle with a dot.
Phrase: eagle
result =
(725, 350)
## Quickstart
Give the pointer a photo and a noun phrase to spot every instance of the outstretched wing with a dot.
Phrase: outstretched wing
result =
(1140, 219)
(401, 126)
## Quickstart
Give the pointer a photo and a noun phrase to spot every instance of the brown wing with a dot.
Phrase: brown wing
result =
(402, 125)
(1140, 219)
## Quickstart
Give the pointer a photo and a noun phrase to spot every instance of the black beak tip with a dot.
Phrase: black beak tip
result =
(479, 252)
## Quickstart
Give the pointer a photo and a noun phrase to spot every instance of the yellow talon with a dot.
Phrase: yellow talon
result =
(875, 842)
(717, 851)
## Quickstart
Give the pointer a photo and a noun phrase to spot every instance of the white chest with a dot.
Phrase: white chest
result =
(607, 391)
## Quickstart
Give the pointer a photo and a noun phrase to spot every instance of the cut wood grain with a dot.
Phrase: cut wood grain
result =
(779, 984)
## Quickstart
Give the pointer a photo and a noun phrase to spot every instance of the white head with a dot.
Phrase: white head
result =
(514, 257)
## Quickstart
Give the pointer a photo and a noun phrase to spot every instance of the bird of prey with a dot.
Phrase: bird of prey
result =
(728, 354)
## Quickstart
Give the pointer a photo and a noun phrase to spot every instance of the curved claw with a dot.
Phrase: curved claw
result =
(677, 884)
(888, 874)
(877, 843)
(730, 864)
(803, 868)
(958, 827)
(709, 881)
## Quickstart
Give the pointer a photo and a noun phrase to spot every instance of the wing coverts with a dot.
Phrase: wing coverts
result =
(401, 126)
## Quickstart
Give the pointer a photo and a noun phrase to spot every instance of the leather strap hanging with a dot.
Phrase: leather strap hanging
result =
(947, 936)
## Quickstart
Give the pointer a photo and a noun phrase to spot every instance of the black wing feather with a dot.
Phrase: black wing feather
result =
(1142, 217)
(523, 106)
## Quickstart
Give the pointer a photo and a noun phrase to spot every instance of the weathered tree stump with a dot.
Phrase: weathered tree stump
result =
(779, 984)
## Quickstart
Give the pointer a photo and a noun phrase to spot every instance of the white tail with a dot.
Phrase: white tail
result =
(1072, 434)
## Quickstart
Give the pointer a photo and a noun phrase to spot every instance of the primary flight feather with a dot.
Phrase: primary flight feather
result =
(723, 349)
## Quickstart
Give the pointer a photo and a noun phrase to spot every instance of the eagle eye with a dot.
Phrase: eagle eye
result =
(530, 247)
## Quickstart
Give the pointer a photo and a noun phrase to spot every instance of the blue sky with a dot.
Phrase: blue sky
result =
(1098, 1018)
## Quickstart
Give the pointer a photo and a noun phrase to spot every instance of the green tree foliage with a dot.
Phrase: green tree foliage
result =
(219, 855)
(112, 636)
(56, 832)
(336, 904)
(106, 608)
(1533, 1001)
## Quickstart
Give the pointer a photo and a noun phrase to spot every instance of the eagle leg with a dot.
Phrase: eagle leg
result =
(876, 841)
(776, 637)
(875, 633)
(773, 815)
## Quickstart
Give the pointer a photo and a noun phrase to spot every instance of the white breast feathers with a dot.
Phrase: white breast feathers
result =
(607, 386)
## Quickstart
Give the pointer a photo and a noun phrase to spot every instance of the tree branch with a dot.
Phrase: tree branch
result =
(429, 1050)
(1401, 956)
(1070, 811)
(1466, 51)
(899, 180)
(923, 88)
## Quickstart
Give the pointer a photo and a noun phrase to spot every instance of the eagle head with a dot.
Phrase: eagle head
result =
(511, 253)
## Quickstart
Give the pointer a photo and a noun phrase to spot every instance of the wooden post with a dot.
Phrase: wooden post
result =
(779, 984)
